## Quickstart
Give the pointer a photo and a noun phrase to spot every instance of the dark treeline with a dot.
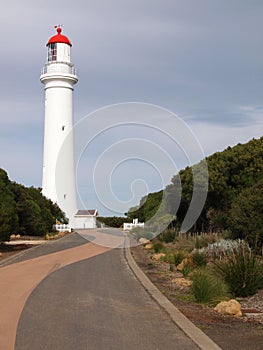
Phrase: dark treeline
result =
(112, 221)
(234, 202)
(25, 211)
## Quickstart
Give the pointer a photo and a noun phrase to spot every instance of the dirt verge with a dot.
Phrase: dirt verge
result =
(228, 332)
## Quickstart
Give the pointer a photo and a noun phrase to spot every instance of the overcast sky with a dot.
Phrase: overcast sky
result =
(201, 59)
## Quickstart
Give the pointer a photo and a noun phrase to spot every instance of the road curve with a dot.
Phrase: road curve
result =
(85, 297)
(96, 303)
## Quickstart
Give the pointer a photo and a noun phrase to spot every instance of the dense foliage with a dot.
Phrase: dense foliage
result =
(25, 211)
(147, 208)
(234, 200)
(112, 221)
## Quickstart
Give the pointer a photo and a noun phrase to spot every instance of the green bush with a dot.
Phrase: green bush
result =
(186, 270)
(170, 258)
(168, 235)
(242, 270)
(207, 287)
(179, 256)
(199, 258)
(158, 247)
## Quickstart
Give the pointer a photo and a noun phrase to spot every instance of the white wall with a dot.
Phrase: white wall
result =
(85, 222)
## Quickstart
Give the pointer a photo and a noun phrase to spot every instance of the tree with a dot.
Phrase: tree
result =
(246, 215)
(113, 221)
(8, 214)
(230, 172)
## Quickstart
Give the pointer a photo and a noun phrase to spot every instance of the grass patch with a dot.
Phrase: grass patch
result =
(242, 270)
(179, 256)
(207, 287)
(186, 297)
(158, 247)
(186, 270)
(199, 258)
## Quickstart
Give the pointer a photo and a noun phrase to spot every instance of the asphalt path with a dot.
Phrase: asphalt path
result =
(94, 303)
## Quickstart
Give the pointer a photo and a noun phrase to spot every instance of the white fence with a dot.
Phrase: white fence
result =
(62, 228)
(128, 225)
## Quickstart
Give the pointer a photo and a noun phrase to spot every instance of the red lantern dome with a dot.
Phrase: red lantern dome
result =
(59, 38)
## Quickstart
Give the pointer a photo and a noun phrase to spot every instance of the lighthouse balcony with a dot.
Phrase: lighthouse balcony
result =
(58, 67)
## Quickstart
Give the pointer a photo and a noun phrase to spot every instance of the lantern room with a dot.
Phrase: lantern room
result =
(58, 48)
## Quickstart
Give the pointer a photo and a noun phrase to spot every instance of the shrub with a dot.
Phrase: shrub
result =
(158, 247)
(207, 287)
(220, 249)
(186, 269)
(179, 256)
(199, 258)
(168, 235)
(242, 270)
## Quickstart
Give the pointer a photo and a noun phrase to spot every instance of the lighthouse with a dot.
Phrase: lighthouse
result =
(58, 76)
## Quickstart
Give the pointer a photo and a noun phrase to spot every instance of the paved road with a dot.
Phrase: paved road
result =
(92, 302)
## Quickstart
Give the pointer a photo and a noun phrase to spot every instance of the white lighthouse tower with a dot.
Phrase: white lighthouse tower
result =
(59, 77)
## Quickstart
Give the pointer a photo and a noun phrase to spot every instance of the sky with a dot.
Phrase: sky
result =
(202, 60)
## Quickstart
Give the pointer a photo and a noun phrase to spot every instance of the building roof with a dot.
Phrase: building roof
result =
(91, 212)
(59, 38)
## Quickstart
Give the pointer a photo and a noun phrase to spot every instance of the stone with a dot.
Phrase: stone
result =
(180, 281)
(144, 241)
(148, 246)
(1, 255)
(61, 234)
(12, 237)
(18, 236)
(157, 257)
(231, 307)
(185, 261)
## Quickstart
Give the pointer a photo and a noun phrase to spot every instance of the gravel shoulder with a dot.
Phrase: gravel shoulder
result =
(228, 332)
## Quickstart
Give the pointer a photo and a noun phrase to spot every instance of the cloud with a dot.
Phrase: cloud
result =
(200, 59)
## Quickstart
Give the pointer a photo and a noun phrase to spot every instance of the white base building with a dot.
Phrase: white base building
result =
(86, 219)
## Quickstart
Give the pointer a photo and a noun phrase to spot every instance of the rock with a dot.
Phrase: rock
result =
(182, 282)
(148, 246)
(185, 261)
(61, 234)
(47, 237)
(12, 237)
(231, 307)
(158, 256)
(1, 255)
(18, 236)
(144, 241)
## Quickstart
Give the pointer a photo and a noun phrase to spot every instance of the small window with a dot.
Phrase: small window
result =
(52, 52)
(65, 196)
(63, 127)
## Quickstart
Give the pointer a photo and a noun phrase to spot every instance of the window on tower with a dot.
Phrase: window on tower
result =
(52, 52)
